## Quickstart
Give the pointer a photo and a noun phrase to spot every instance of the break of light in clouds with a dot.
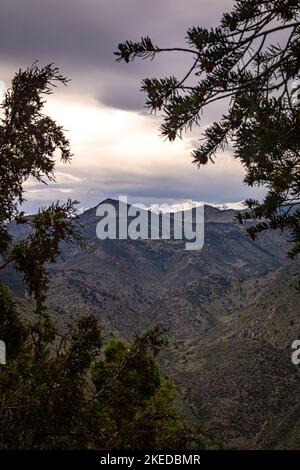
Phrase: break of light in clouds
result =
(116, 145)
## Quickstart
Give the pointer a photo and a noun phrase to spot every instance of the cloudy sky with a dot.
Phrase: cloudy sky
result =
(116, 146)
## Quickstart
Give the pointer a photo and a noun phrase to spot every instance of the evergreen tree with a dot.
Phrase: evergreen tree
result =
(251, 61)
(56, 390)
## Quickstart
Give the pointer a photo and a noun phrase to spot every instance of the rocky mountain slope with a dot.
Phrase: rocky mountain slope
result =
(231, 312)
(135, 284)
(239, 378)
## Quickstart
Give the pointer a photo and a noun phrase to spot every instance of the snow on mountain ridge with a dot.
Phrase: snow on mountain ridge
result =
(189, 204)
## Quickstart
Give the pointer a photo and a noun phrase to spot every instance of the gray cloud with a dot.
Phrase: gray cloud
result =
(80, 37)
(89, 30)
(210, 186)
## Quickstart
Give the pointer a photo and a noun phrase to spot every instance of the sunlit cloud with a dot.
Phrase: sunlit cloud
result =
(116, 145)
(2, 89)
(120, 152)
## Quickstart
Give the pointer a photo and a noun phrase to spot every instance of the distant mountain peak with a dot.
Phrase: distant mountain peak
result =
(178, 206)
(189, 204)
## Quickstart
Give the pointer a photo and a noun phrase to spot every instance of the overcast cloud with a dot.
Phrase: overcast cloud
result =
(116, 144)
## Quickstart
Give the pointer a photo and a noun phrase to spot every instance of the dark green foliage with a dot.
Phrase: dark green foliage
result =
(48, 228)
(12, 328)
(56, 390)
(28, 143)
(28, 138)
(43, 386)
(133, 400)
(241, 62)
(58, 393)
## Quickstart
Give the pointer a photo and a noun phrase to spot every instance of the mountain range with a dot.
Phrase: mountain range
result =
(230, 312)
(189, 204)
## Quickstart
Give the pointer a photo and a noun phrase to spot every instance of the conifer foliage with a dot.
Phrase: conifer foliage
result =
(63, 388)
(250, 62)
